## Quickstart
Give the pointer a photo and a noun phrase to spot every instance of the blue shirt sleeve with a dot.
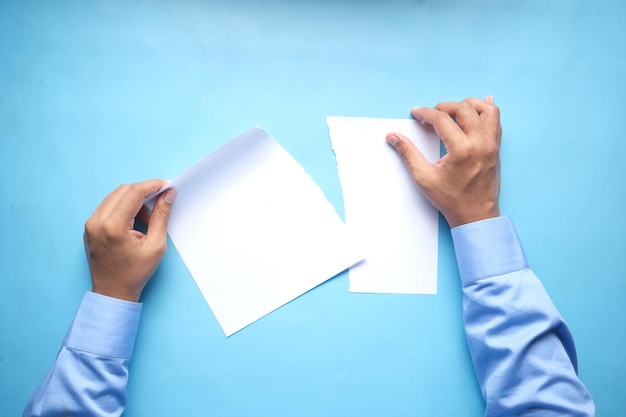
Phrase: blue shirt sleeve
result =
(523, 353)
(89, 377)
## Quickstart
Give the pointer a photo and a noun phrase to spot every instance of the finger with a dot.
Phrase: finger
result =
(412, 157)
(464, 113)
(487, 110)
(157, 225)
(446, 128)
(489, 114)
(133, 197)
(479, 105)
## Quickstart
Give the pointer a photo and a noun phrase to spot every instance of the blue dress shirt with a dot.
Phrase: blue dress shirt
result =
(523, 353)
(90, 374)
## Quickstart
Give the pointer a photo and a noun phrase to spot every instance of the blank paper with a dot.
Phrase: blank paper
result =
(254, 230)
(395, 222)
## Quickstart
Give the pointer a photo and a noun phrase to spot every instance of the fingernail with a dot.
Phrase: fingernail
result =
(392, 139)
(416, 115)
(170, 196)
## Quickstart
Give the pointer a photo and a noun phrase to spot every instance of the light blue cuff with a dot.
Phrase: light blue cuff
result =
(104, 326)
(488, 248)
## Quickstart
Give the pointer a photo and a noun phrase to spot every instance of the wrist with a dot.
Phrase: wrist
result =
(460, 221)
(116, 292)
(469, 216)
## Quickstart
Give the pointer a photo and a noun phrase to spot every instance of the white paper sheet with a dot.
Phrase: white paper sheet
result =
(254, 230)
(397, 224)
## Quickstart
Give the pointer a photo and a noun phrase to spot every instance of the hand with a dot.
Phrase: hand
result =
(121, 259)
(465, 183)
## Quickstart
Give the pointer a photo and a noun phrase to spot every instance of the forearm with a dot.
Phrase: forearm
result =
(90, 375)
(522, 350)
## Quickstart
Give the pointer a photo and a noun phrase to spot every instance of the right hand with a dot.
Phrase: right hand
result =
(465, 183)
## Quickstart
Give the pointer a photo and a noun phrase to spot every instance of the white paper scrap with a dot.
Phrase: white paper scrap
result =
(254, 230)
(397, 224)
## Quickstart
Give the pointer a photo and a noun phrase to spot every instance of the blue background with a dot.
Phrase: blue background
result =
(94, 94)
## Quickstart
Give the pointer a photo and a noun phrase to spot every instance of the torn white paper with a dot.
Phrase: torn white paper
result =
(397, 224)
(254, 230)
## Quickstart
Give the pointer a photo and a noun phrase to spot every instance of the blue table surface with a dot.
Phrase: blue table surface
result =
(94, 94)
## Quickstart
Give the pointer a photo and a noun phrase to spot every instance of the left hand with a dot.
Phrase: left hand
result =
(122, 259)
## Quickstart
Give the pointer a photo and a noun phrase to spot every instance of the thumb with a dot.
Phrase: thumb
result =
(412, 157)
(157, 225)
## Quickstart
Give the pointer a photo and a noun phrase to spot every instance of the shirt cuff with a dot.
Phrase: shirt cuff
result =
(488, 248)
(104, 326)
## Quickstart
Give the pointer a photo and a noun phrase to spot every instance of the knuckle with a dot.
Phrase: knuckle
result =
(489, 149)
(108, 230)
(90, 226)
(442, 106)
(96, 228)
(488, 154)
(403, 151)
(123, 187)
(466, 104)
(132, 188)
